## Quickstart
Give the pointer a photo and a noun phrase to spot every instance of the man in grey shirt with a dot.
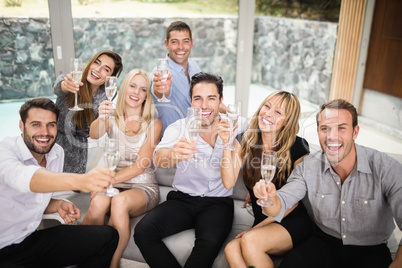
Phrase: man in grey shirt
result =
(355, 194)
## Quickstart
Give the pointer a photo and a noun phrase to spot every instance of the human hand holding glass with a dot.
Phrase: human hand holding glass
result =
(110, 87)
(76, 74)
(232, 116)
(268, 169)
(163, 71)
(193, 122)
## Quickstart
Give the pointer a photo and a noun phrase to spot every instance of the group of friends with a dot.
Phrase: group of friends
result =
(332, 208)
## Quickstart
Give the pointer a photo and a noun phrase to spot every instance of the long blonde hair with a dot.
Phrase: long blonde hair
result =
(148, 111)
(286, 136)
(86, 117)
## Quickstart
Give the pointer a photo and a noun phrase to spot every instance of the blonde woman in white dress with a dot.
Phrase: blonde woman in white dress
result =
(137, 132)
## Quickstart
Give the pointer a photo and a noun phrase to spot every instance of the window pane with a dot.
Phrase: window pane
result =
(26, 65)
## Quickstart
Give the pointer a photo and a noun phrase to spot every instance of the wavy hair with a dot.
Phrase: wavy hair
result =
(87, 116)
(252, 141)
(148, 111)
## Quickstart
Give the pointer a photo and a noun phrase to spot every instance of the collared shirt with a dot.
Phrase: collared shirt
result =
(21, 209)
(360, 211)
(201, 178)
(169, 112)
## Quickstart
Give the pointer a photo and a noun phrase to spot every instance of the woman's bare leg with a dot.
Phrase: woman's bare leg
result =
(234, 255)
(260, 242)
(129, 203)
(99, 206)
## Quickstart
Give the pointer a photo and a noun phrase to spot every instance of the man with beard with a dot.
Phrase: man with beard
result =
(355, 194)
(201, 199)
(29, 173)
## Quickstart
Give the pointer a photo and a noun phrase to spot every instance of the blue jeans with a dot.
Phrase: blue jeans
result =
(211, 217)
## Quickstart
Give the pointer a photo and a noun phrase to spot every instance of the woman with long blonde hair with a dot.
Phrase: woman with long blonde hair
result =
(273, 127)
(73, 127)
(137, 131)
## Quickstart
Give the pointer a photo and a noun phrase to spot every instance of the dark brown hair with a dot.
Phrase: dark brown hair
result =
(85, 118)
(177, 26)
(41, 103)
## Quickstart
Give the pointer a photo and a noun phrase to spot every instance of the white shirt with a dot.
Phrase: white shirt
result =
(201, 178)
(21, 209)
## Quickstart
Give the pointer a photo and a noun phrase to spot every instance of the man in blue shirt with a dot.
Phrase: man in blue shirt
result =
(179, 43)
(201, 199)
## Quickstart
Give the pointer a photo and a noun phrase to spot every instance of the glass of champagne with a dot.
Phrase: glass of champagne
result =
(76, 74)
(232, 116)
(111, 157)
(110, 87)
(268, 169)
(193, 122)
(163, 70)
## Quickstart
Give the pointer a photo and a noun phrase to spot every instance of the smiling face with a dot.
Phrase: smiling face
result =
(136, 92)
(272, 115)
(206, 96)
(179, 46)
(103, 66)
(337, 135)
(39, 131)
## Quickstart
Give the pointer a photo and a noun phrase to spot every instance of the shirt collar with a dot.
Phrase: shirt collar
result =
(361, 162)
(175, 66)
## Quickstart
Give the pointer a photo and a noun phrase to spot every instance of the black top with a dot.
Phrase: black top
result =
(298, 149)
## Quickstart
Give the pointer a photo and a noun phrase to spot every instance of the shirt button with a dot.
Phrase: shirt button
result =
(343, 236)
(365, 202)
(338, 182)
(343, 219)
(322, 196)
(343, 202)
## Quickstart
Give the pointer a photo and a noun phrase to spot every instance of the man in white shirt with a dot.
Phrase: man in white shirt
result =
(30, 167)
(201, 199)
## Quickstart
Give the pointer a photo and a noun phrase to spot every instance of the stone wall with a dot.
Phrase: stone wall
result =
(289, 54)
(294, 55)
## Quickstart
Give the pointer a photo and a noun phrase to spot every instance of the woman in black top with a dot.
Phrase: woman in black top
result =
(273, 127)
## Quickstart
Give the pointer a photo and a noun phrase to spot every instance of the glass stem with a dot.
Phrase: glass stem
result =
(76, 99)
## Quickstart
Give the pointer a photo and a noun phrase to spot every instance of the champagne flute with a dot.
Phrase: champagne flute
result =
(232, 116)
(110, 87)
(163, 70)
(193, 122)
(76, 74)
(268, 168)
(111, 157)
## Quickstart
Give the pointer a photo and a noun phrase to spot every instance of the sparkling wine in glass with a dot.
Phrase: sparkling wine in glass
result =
(232, 116)
(163, 70)
(110, 87)
(76, 74)
(111, 157)
(193, 122)
(268, 169)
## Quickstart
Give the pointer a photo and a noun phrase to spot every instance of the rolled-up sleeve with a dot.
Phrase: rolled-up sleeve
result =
(292, 192)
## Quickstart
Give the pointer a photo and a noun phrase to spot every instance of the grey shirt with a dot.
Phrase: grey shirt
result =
(361, 210)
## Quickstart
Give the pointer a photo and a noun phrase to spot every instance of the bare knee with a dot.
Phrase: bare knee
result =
(233, 247)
